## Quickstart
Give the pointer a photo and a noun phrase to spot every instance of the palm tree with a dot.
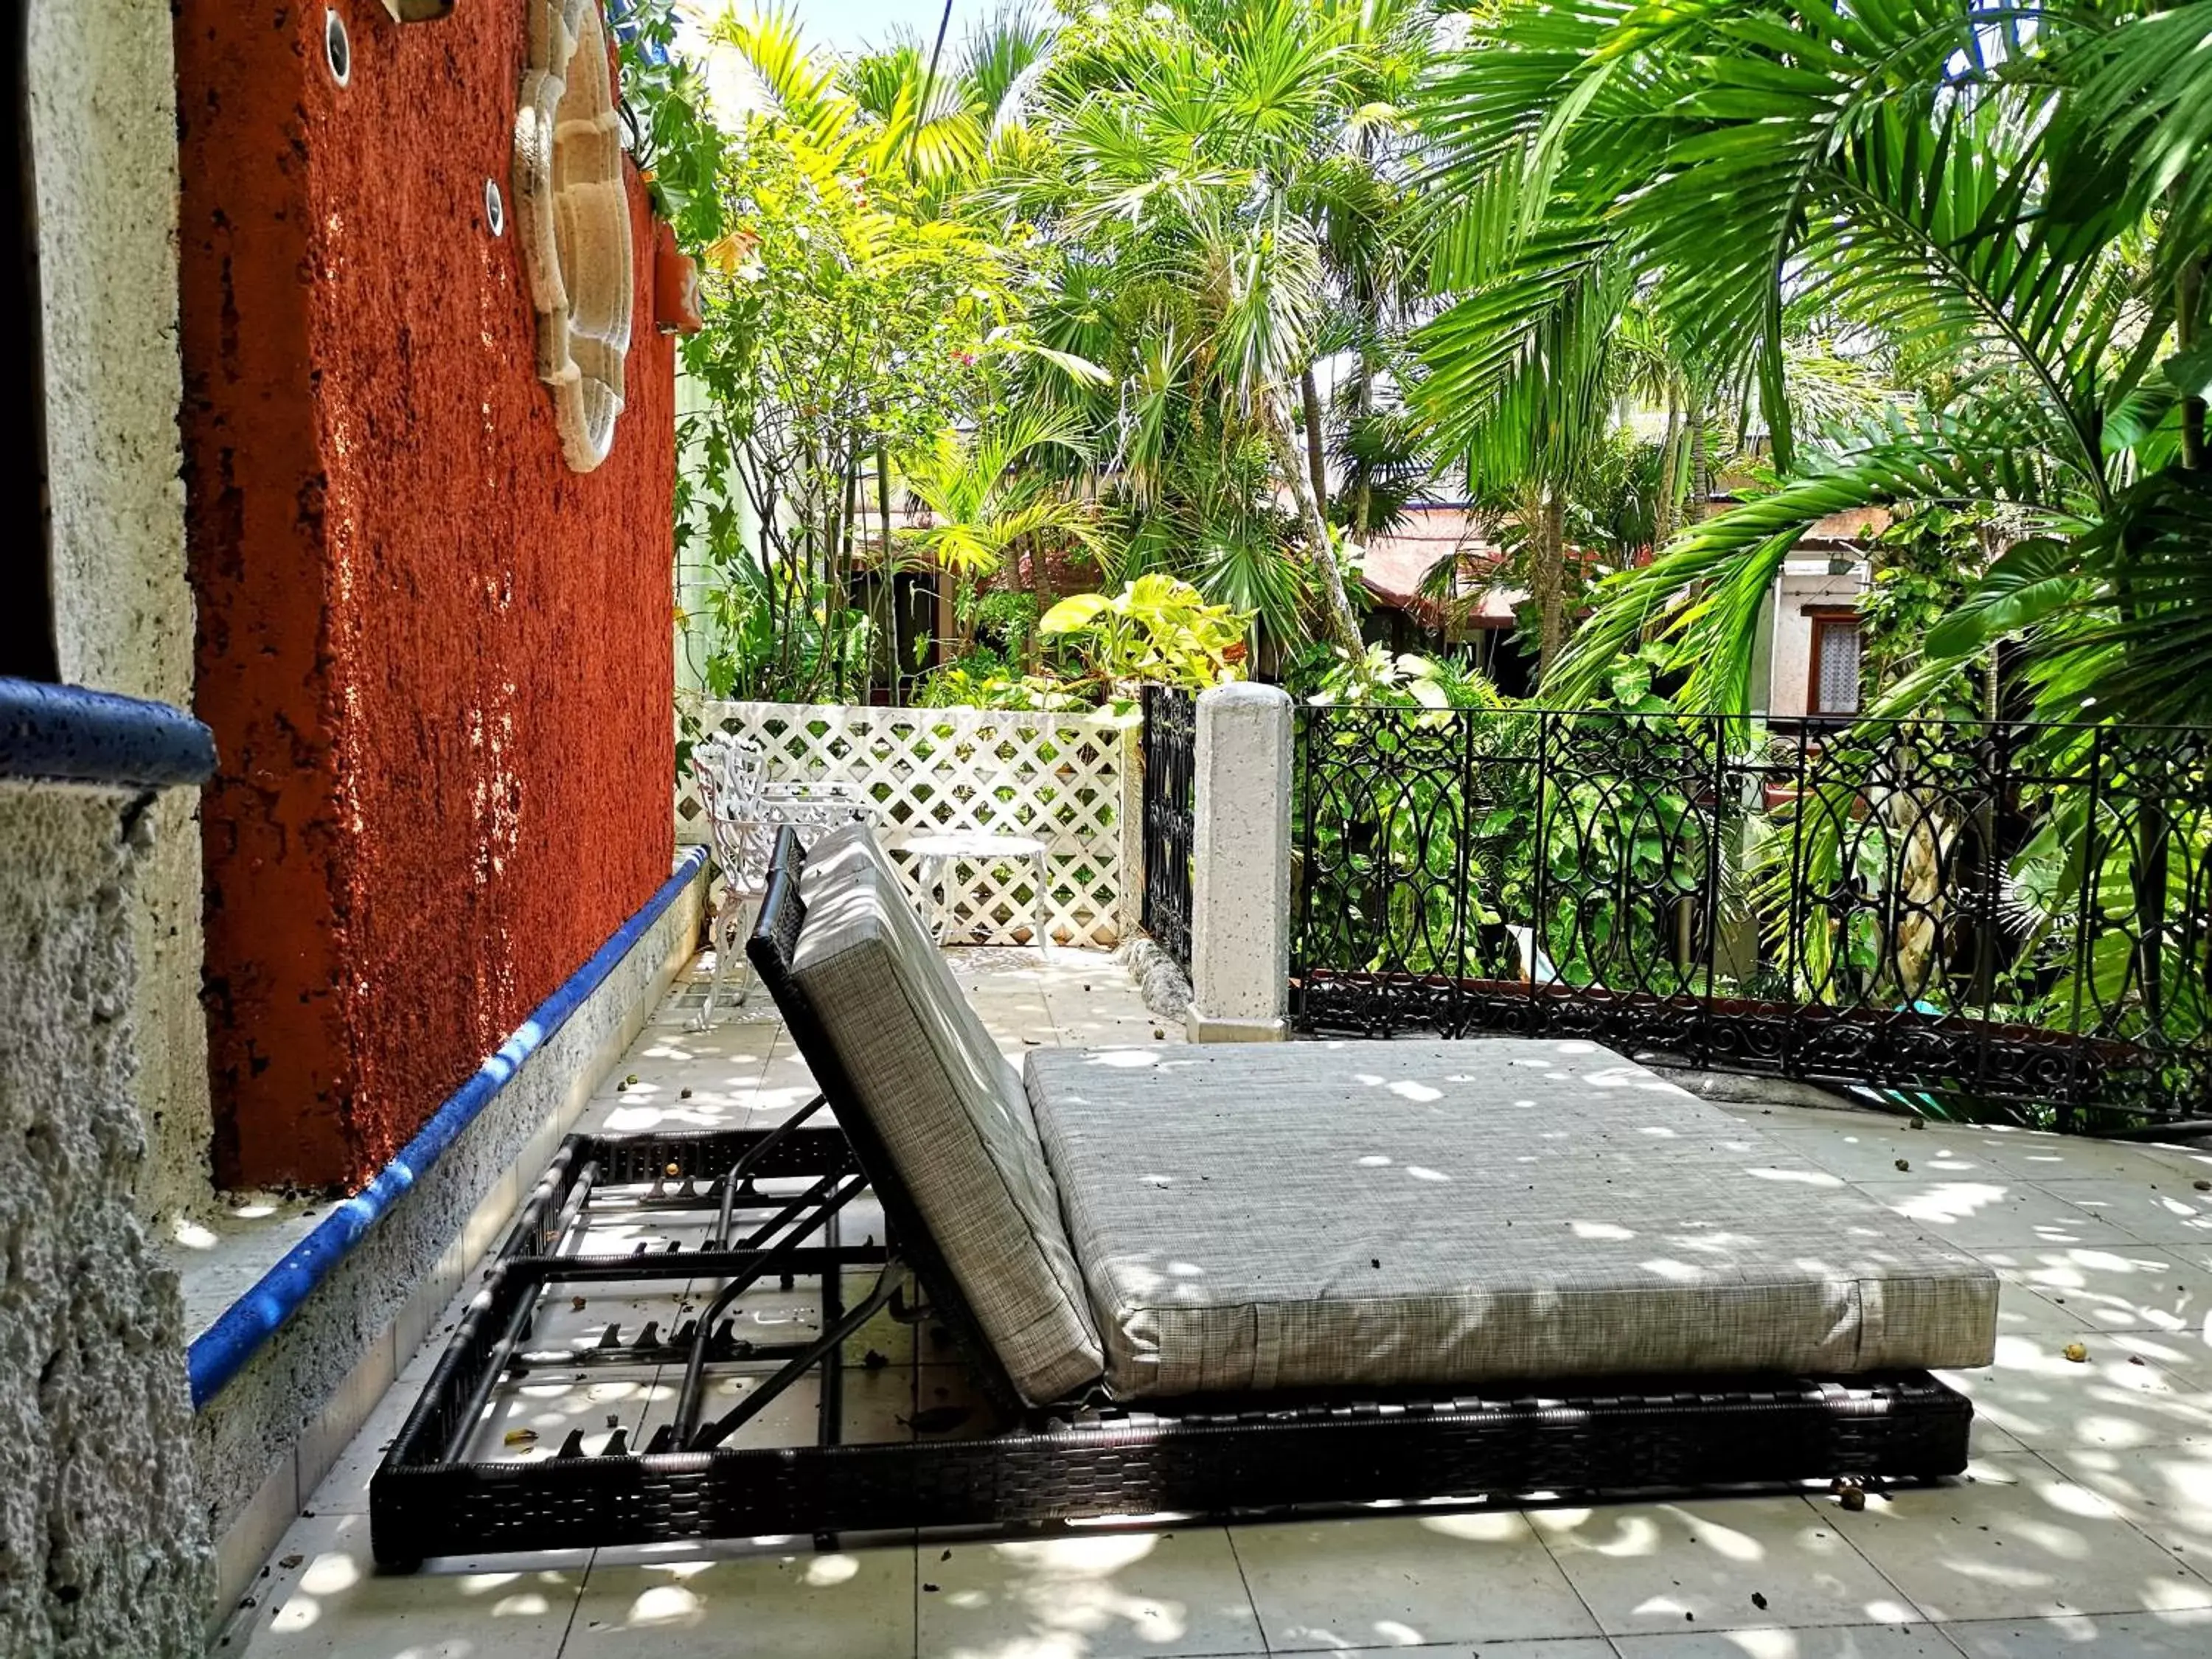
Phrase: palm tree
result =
(890, 108)
(2018, 195)
(988, 500)
(1212, 172)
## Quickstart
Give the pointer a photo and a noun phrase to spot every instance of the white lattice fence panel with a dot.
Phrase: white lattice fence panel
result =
(1055, 777)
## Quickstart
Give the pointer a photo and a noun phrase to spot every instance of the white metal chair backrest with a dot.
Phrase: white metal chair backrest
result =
(744, 808)
(744, 771)
(731, 778)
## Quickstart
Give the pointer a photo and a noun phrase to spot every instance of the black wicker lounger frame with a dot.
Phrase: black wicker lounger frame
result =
(1077, 1460)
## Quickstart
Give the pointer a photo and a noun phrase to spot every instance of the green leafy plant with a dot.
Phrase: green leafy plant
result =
(679, 146)
(844, 327)
(1157, 630)
(2011, 206)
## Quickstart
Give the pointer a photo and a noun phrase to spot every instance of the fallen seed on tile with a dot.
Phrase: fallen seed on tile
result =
(2076, 1352)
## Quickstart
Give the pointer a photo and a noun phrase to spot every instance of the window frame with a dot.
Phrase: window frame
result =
(1827, 619)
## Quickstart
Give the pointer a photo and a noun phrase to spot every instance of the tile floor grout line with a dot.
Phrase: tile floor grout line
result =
(1844, 1537)
(1529, 1520)
(1923, 1617)
(577, 1602)
(1259, 1624)
(2120, 1515)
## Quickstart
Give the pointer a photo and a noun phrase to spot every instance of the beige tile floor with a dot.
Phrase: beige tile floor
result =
(2084, 1526)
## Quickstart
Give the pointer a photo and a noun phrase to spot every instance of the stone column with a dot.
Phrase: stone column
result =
(103, 1527)
(1240, 952)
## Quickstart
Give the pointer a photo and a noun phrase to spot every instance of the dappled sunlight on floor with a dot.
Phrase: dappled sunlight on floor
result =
(2085, 1527)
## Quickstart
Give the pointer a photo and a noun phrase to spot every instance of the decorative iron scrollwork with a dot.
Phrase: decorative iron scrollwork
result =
(1170, 757)
(2014, 911)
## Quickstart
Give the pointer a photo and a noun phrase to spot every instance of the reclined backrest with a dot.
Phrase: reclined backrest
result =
(949, 1111)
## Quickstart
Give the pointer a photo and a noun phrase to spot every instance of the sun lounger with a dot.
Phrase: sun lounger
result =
(1236, 1279)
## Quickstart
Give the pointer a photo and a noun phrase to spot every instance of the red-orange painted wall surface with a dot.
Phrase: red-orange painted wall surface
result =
(436, 660)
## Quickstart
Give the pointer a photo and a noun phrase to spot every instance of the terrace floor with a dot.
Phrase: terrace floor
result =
(2085, 1524)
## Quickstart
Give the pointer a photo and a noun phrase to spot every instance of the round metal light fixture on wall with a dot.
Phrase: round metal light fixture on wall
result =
(337, 47)
(572, 210)
(495, 208)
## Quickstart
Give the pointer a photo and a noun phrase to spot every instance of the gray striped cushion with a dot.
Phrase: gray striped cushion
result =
(1370, 1213)
(949, 1111)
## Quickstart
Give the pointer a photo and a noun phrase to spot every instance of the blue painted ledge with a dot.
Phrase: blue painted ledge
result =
(222, 1350)
(66, 734)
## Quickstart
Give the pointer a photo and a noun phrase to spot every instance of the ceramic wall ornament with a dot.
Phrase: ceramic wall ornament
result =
(573, 213)
(676, 305)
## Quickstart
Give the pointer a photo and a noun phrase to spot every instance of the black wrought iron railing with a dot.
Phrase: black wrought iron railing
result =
(2012, 912)
(1170, 755)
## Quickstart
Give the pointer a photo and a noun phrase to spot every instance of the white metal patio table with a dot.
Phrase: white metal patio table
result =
(940, 853)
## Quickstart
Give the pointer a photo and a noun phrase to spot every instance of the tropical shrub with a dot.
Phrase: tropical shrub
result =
(1156, 630)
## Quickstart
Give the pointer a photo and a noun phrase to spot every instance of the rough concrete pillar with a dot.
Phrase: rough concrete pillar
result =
(103, 1542)
(102, 86)
(1240, 949)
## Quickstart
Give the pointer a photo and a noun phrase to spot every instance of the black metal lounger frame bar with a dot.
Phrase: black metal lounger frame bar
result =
(1222, 1457)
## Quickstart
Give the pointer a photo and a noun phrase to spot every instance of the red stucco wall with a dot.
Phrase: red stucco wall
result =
(436, 661)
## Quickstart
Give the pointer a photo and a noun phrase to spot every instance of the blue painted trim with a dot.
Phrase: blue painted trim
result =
(66, 734)
(222, 1350)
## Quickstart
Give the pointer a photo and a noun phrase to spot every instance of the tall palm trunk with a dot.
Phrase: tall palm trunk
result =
(1363, 496)
(1316, 457)
(2188, 298)
(1670, 472)
(1343, 626)
(1035, 583)
(887, 572)
(1548, 577)
(1700, 483)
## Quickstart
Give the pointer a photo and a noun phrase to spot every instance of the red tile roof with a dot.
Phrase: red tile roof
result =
(1395, 564)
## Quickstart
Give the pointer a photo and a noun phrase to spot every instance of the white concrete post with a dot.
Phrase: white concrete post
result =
(1240, 948)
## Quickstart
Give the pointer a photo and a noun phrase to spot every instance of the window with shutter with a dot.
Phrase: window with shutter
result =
(1835, 665)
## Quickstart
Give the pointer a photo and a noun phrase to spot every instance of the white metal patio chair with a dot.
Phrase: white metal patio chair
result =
(744, 808)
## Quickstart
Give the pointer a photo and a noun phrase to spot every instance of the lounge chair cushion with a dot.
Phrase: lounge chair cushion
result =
(1328, 1215)
(949, 1109)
